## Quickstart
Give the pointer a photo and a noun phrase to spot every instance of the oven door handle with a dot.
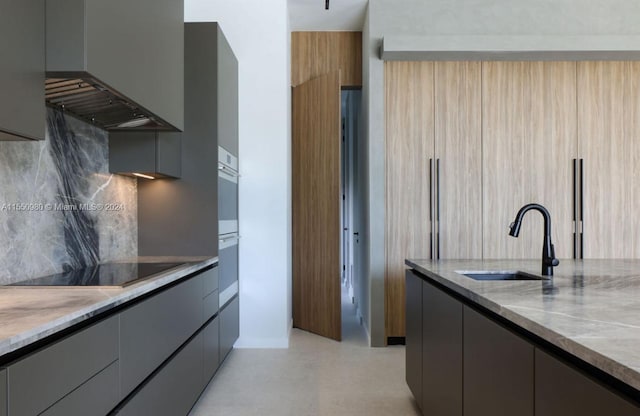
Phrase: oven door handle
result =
(228, 241)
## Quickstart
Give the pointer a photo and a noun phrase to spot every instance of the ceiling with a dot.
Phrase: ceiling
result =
(308, 15)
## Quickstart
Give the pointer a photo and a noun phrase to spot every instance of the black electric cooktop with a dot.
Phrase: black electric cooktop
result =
(107, 274)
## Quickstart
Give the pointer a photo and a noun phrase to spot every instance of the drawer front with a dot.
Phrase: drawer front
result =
(211, 354)
(153, 329)
(210, 305)
(210, 280)
(96, 397)
(3, 393)
(46, 376)
(174, 389)
(229, 327)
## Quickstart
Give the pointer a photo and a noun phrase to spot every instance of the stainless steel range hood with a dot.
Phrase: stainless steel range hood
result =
(118, 64)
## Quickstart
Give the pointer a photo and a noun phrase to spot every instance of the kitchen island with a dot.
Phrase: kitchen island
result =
(148, 347)
(522, 347)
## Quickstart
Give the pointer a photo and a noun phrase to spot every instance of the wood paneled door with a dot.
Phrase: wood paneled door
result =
(529, 141)
(316, 206)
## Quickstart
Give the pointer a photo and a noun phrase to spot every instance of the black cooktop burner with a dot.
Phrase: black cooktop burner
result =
(107, 274)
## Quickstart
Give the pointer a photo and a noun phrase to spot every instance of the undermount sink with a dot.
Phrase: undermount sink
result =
(500, 275)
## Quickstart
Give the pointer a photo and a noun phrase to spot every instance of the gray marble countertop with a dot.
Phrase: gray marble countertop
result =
(29, 313)
(591, 308)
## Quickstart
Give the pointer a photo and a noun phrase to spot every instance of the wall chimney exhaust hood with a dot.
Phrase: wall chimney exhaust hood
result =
(118, 64)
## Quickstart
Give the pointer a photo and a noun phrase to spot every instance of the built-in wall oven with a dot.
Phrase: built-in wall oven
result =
(228, 225)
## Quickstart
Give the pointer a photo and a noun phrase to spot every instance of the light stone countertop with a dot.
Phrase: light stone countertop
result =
(29, 313)
(591, 308)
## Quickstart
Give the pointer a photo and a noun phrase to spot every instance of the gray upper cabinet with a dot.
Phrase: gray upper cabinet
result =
(22, 109)
(133, 50)
(157, 154)
(227, 95)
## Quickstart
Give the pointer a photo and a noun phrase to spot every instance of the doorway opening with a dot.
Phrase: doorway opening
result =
(350, 215)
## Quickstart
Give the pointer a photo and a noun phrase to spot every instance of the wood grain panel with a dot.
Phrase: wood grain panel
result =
(316, 206)
(409, 104)
(317, 53)
(458, 146)
(608, 111)
(529, 139)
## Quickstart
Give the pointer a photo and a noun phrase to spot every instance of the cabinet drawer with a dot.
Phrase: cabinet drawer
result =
(210, 278)
(211, 353)
(153, 329)
(174, 389)
(96, 397)
(210, 305)
(44, 377)
(229, 327)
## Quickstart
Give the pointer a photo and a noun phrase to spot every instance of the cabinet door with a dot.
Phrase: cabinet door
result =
(529, 141)
(498, 369)
(3, 393)
(441, 352)
(211, 346)
(608, 120)
(458, 146)
(22, 66)
(174, 389)
(562, 390)
(409, 148)
(413, 348)
(229, 327)
(227, 96)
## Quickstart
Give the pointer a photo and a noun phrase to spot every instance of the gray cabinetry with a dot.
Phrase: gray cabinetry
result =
(3, 393)
(96, 397)
(227, 95)
(46, 376)
(22, 66)
(157, 154)
(229, 327)
(152, 330)
(211, 349)
(441, 352)
(414, 338)
(134, 47)
(561, 390)
(498, 369)
(174, 389)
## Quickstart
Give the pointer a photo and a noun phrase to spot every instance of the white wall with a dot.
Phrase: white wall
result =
(258, 33)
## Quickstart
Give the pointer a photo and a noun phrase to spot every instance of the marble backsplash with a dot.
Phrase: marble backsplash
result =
(60, 208)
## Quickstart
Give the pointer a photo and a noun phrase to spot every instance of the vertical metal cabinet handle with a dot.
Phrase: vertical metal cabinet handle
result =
(431, 208)
(575, 209)
(581, 219)
(438, 209)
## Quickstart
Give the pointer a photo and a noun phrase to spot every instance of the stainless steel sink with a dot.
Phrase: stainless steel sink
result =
(500, 275)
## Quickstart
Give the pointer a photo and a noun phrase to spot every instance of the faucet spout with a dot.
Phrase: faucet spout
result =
(549, 260)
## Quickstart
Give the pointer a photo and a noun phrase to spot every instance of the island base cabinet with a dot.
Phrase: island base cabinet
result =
(211, 352)
(441, 352)
(174, 389)
(560, 390)
(413, 339)
(498, 369)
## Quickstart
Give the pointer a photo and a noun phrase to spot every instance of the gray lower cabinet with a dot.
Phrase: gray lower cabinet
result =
(441, 352)
(174, 389)
(561, 390)
(229, 327)
(152, 330)
(3, 393)
(22, 67)
(413, 337)
(211, 349)
(39, 380)
(498, 369)
(96, 397)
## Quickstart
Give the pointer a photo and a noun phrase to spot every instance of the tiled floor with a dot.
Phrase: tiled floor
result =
(315, 376)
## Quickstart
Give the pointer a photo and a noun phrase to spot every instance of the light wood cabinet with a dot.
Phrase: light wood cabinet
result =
(608, 128)
(433, 173)
(528, 144)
